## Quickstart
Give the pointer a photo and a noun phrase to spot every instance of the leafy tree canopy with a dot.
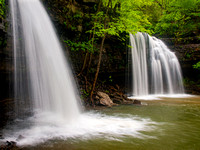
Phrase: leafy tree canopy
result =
(124, 16)
(180, 19)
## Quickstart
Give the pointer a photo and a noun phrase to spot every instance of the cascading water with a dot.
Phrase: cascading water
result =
(155, 68)
(139, 61)
(41, 71)
(44, 87)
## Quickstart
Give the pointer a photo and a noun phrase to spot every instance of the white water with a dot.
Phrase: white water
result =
(139, 61)
(50, 80)
(161, 96)
(90, 125)
(156, 69)
(44, 79)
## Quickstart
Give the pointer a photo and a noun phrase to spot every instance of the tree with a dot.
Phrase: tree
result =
(116, 18)
(180, 19)
(100, 54)
(108, 18)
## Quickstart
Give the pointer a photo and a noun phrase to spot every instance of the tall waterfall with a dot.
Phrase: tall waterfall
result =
(43, 80)
(155, 69)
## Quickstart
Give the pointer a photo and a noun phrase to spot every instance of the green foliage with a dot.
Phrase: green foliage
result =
(110, 79)
(2, 9)
(133, 17)
(187, 81)
(84, 94)
(76, 46)
(188, 55)
(197, 65)
(174, 18)
(180, 19)
(2, 17)
(107, 91)
(123, 16)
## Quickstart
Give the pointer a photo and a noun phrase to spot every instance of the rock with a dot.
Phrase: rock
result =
(9, 145)
(20, 137)
(97, 97)
(137, 102)
(117, 101)
(105, 102)
(126, 98)
(104, 99)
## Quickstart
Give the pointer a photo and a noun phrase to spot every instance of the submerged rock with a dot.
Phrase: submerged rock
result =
(9, 145)
(137, 102)
(20, 137)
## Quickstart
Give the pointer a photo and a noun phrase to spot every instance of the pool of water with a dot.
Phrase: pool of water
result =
(169, 123)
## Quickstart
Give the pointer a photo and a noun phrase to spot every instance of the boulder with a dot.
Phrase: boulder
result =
(137, 102)
(104, 99)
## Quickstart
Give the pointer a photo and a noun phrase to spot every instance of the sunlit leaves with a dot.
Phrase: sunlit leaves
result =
(124, 16)
(2, 9)
(180, 19)
(76, 46)
(197, 65)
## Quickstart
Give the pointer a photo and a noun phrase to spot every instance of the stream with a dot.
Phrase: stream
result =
(169, 123)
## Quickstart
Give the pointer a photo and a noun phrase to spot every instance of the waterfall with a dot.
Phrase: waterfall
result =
(155, 69)
(46, 103)
(43, 80)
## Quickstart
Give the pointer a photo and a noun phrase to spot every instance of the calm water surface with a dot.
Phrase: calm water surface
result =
(178, 127)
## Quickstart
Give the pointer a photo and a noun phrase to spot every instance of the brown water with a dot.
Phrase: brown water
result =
(178, 127)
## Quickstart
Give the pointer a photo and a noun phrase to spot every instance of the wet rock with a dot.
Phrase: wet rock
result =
(117, 101)
(1, 137)
(137, 102)
(20, 137)
(104, 99)
(120, 98)
(9, 145)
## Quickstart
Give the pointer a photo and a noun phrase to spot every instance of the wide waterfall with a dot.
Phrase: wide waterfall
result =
(155, 69)
(47, 106)
(43, 80)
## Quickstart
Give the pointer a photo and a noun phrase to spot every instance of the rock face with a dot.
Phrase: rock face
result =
(188, 52)
(104, 99)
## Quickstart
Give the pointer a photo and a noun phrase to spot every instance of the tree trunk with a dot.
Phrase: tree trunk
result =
(86, 55)
(100, 56)
(98, 68)
(90, 61)
(84, 63)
